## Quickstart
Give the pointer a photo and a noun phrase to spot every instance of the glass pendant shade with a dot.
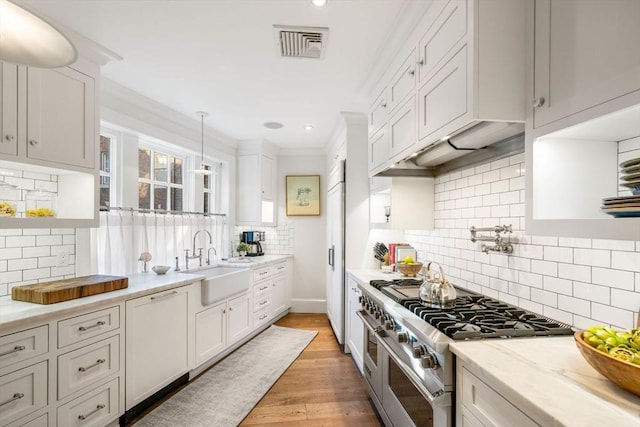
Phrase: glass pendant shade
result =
(29, 40)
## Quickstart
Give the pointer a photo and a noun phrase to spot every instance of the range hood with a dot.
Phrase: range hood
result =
(476, 137)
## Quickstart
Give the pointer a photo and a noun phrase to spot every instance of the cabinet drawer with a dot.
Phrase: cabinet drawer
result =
(261, 317)
(444, 99)
(23, 392)
(23, 345)
(403, 81)
(41, 421)
(261, 273)
(279, 268)
(80, 328)
(96, 408)
(489, 407)
(87, 365)
(263, 302)
(446, 31)
(260, 289)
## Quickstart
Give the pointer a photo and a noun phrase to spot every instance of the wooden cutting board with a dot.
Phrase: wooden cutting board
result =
(68, 289)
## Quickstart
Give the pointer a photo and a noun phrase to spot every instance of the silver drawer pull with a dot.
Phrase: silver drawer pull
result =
(84, 417)
(263, 288)
(264, 316)
(98, 362)
(16, 396)
(86, 328)
(263, 273)
(263, 302)
(13, 350)
(165, 295)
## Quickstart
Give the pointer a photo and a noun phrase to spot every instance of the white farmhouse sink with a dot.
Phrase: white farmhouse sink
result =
(221, 282)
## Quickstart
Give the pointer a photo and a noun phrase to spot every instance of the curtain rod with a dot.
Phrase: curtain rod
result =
(158, 211)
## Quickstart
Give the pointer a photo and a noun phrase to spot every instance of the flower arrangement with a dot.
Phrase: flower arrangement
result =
(145, 257)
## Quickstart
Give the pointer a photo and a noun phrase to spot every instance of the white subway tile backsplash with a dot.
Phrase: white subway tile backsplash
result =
(574, 272)
(594, 257)
(48, 240)
(20, 241)
(529, 251)
(591, 292)
(561, 315)
(557, 285)
(544, 240)
(546, 298)
(530, 279)
(607, 314)
(617, 245)
(546, 268)
(625, 260)
(574, 305)
(500, 186)
(516, 183)
(613, 278)
(22, 264)
(574, 242)
(559, 254)
(625, 299)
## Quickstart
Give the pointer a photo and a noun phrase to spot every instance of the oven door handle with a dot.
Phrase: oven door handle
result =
(441, 398)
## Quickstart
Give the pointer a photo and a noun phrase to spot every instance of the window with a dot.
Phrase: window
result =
(106, 182)
(211, 189)
(160, 184)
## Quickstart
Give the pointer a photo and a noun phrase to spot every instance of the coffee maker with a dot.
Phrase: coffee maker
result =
(253, 239)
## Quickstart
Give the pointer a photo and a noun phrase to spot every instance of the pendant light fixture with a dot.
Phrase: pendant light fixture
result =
(27, 39)
(202, 170)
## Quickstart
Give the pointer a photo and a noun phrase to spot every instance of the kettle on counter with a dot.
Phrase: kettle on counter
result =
(436, 291)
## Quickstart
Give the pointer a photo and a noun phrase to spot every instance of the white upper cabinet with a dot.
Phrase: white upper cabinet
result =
(8, 109)
(586, 53)
(60, 117)
(463, 64)
(257, 184)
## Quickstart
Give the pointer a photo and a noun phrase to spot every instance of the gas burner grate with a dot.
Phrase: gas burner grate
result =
(378, 284)
(477, 316)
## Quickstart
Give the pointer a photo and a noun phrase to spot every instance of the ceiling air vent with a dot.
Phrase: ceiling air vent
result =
(301, 42)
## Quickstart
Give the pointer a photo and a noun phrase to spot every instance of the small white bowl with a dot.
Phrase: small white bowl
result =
(160, 269)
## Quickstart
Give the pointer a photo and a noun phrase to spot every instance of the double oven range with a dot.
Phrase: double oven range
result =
(409, 369)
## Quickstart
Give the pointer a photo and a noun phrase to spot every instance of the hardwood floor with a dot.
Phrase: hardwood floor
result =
(321, 388)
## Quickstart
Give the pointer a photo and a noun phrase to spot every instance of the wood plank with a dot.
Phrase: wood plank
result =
(68, 289)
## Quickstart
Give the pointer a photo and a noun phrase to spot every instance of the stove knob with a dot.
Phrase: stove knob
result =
(360, 299)
(418, 351)
(388, 325)
(377, 314)
(428, 361)
(403, 337)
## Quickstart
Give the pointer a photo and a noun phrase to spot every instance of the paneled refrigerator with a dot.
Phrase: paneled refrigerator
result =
(335, 252)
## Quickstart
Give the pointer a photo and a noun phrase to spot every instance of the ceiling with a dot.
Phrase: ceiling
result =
(220, 56)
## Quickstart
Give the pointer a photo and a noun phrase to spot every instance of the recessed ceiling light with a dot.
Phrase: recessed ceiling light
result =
(308, 127)
(273, 125)
(319, 3)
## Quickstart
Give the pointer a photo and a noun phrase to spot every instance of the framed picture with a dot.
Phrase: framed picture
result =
(303, 195)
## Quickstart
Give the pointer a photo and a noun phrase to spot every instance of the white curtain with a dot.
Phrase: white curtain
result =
(123, 236)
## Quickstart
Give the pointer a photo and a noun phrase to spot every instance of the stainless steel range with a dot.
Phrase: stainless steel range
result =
(407, 362)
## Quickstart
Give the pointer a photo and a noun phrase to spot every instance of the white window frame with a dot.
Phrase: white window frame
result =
(155, 148)
(113, 165)
(214, 190)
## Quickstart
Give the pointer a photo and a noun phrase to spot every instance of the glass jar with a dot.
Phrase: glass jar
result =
(8, 199)
(40, 203)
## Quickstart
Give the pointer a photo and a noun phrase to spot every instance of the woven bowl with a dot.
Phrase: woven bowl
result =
(624, 374)
(409, 269)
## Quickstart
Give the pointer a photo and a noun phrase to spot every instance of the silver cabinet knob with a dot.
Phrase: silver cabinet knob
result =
(10, 138)
(538, 102)
(384, 105)
(33, 142)
(421, 62)
(412, 72)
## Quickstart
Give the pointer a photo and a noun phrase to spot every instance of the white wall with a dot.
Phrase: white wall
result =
(309, 243)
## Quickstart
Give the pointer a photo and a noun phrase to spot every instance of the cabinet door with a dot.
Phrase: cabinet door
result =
(586, 53)
(378, 150)
(278, 286)
(248, 193)
(156, 342)
(60, 116)
(267, 172)
(444, 99)
(23, 392)
(239, 318)
(377, 115)
(210, 334)
(443, 34)
(403, 81)
(8, 109)
(402, 131)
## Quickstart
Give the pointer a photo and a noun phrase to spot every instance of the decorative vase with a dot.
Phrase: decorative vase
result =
(242, 253)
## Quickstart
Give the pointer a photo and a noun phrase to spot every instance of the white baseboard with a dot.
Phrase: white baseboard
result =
(308, 305)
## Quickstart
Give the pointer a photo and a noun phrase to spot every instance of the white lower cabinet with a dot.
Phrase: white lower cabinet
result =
(39, 421)
(22, 392)
(354, 327)
(221, 325)
(96, 407)
(156, 342)
(479, 405)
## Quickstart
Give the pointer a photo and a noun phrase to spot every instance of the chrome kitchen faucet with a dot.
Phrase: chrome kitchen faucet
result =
(199, 256)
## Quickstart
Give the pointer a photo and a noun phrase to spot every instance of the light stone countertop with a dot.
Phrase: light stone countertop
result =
(24, 314)
(546, 377)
